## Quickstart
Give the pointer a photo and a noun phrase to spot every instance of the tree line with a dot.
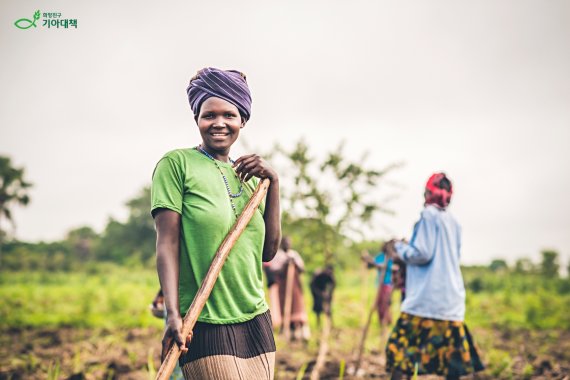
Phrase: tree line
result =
(329, 205)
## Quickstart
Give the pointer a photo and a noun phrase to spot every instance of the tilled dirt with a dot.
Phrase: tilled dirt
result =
(74, 354)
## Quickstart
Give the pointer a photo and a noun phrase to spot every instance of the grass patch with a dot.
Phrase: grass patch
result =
(116, 298)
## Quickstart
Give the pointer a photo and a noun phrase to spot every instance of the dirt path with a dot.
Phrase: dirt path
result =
(76, 354)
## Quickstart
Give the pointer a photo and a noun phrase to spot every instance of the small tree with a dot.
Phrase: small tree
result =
(13, 191)
(524, 266)
(549, 266)
(327, 201)
(498, 265)
(132, 241)
(81, 241)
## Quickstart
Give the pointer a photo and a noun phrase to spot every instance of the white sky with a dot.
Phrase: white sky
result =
(479, 89)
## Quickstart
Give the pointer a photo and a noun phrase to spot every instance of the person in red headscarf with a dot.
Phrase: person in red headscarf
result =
(430, 336)
(438, 191)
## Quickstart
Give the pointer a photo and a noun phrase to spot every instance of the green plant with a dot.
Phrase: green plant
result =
(32, 362)
(528, 371)
(150, 364)
(341, 369)
(77, 362)
(500, 363)
(53, 371)
(301, 372)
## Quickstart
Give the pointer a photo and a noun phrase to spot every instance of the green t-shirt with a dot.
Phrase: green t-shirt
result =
(188, 182)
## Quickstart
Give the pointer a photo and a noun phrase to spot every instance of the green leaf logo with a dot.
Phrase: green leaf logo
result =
(25, 23)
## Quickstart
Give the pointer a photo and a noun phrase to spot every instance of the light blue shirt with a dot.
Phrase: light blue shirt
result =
(434, 285)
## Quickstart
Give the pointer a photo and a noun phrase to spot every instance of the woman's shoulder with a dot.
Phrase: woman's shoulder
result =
(180, 154)
(439, 216)
(430, 212)
(182, 157)
(296, 254)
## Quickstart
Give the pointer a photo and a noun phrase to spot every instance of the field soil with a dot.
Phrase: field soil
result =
(70, 353)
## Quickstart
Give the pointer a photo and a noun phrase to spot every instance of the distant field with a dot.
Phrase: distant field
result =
(521, 326)
(106, 297)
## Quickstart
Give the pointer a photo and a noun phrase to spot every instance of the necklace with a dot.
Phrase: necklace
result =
(230, 194)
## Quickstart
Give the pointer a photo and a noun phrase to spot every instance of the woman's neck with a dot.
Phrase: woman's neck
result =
(223, 156)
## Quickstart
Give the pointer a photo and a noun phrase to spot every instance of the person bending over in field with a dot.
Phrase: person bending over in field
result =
(431, 334)
(322, 287)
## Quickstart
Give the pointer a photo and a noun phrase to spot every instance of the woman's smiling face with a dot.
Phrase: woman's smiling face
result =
(219, 123)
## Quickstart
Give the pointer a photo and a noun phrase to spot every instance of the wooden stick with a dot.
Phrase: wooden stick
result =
(370, 314)
(323, 349)
(365, 285)
(288, 300)
(203, 293)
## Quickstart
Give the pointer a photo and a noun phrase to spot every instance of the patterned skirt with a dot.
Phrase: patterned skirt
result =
(437, 347)
(236, 351)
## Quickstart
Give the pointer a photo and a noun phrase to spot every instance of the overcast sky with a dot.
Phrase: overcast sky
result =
(478, 89)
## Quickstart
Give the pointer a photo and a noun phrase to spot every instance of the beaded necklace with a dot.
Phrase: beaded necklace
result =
(230, 194)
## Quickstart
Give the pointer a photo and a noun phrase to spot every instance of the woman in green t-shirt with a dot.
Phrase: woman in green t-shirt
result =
(197, 194)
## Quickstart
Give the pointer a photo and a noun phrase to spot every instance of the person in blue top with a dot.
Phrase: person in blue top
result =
(383, 299)
(430, 334)
(385, 285)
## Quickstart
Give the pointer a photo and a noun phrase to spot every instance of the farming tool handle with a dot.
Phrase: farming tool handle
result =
(377, 300)
(203, 293)
(288, 300)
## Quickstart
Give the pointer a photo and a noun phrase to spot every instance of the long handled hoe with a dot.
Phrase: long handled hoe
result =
(323, 349)
(370, 314)
(288, 300)
(203, 293)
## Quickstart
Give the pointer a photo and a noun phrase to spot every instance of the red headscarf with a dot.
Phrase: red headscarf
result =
(435, 194)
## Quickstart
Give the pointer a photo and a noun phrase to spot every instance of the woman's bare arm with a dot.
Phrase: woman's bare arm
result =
(167, 263)
(252, 165)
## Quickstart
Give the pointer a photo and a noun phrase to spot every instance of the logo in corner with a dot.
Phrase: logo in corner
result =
(25, 23)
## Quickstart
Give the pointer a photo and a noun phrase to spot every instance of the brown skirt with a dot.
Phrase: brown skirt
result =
(298, 312)
(236, 351)
(383, 301)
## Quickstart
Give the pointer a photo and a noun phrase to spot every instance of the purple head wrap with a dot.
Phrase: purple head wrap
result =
(229, 85)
